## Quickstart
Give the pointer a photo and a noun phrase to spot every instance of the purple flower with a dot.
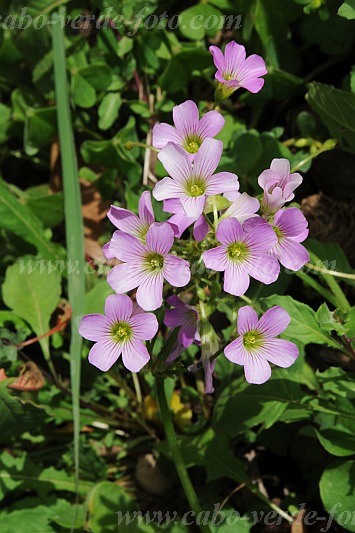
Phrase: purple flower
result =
(243, 254)
(278, 185)
(180, 222)
(120, 331)
(186, 317)
(193, 184)
(128, 222)
(242, 208)
(256, 346)
(189, 131)
(146, 266)
(290, 227)
(234, 70)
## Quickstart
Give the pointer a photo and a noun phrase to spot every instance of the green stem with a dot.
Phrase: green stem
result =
(306, 278)
(176, 453)
(334, 273)
(131, 144)
(341, 299)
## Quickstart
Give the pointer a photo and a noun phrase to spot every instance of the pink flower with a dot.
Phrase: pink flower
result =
(234, 70)
(189, 131)
(278, 185)
(256, 346)
(120, 331)
(290, 227)
(193, 184)
(147, 266)
(130, 223)
(180, 222)
(243, 254)
(243, 208)
(184, 316)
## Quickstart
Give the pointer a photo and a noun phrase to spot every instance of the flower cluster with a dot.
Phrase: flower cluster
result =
(236, 234)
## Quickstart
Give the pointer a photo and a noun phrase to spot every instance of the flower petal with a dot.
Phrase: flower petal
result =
(193, 205)
(145, 208)
(236, 279)
(291, 222)
(134, 355)
(176, 162)
(144, 326)
(160, 238)
(150, 292)
(207, 158)
(164, 133)
(126, 247)
(274, 321)
(94, 327)
(257, 370)
(222, 182)
(176, 271)
(247, 319)
(262, 269)
(125, 220)
(243, 208)
(104, 354)
(260, 238)
(280, 352)
(210, 124)
(218, 57)
(125, 277)
(229, 231)
(234, 54)
(291, 254)
(186, 117)
(118, 307)
(167, 188)
(200, 229)
(216, 258)
(235, 352)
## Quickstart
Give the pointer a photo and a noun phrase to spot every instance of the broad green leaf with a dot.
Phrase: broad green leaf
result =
(40, 128)
(84, 94)
(337, 110)
(347, 9)
(96, 297)
(34, 295)
(332, 257)
(16, 416)
(181, 67)
(303, 327)
(337, 491)
(337, 442)
(264, 404)
(20, 219)
(104, 502)
(199, 20)
(108, 110)
(328, 321)
(98, 75)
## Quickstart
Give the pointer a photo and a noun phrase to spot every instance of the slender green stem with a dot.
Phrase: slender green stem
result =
(176, 453)
(341, 299)
(334, 273)
(306, 278)
(137, 388)
(131, 144)
(73, 221)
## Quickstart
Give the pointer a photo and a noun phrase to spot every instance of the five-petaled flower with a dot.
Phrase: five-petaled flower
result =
(243, 254)
(190, 131)
(278, 185)
(256, 345)
(234, 70)
(192, 184)
(120, 331)
(147, 266)
(184, 316)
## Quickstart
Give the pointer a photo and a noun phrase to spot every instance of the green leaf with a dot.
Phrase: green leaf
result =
(105, 500)
(84, 94)
(98, 75)
(332, 257)
(337, 110)
(20, 219)
(328, 321)
(303, 327)
(40, 128)
(195, 21)
(96, 297)
(337, 442)
(16, 417)
(252, 405)
(347, 10)
(34, 295)
(337, 490)
(108, 110)
(181, 67)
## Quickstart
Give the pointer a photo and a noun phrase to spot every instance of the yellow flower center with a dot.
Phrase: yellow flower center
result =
(193, 143)
(238, 251)
(252, 339)
(155, 262)
(195, 190)
(121, 332)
